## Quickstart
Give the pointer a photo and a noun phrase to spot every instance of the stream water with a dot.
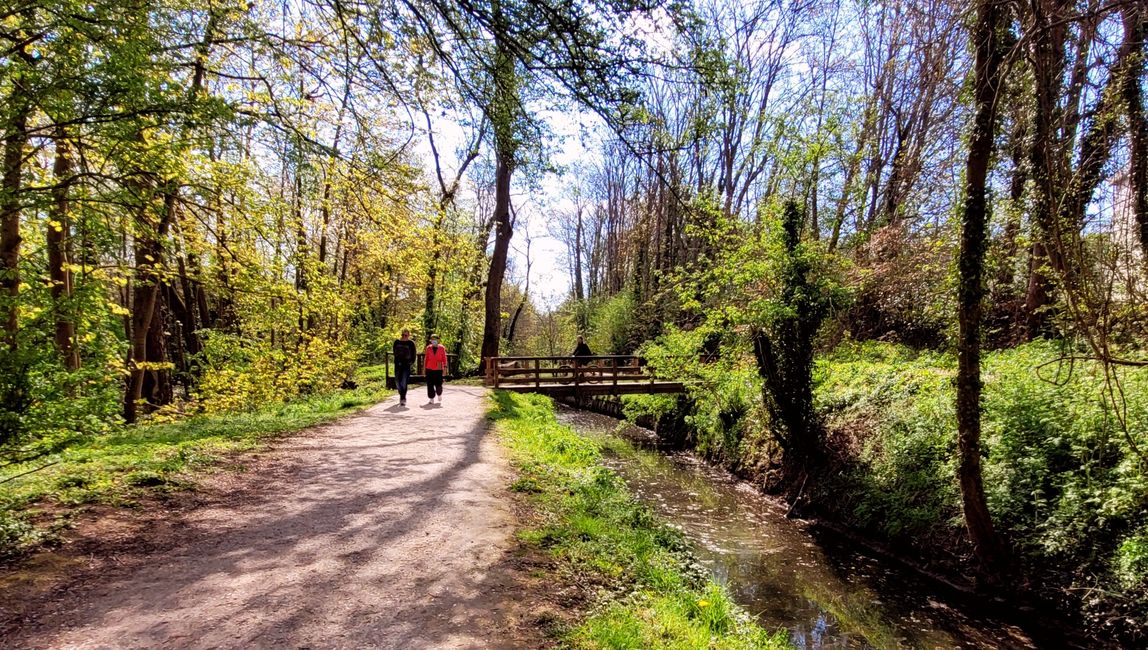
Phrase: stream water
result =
(826, 595)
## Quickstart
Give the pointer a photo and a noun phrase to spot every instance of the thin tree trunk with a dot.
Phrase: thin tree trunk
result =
(513, 327)
(430, 311)
(579, 287)
(988, 545)
(58, 238)
(447, 194)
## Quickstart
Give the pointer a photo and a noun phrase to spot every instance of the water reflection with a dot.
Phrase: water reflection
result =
(773, 568)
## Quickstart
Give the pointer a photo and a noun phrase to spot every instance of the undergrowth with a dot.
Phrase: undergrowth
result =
(1065, 466)
(130, 462)
(646, 596)
(1063, 476)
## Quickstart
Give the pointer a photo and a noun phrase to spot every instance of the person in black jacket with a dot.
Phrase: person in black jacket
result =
(404, 350)
(582, 350)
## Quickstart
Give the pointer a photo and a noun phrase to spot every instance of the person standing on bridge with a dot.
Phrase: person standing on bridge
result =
(404, 350)
(435, 362)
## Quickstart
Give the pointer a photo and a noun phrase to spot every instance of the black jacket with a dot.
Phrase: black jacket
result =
(404, 352)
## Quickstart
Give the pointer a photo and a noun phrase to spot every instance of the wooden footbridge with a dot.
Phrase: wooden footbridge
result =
(576, 376)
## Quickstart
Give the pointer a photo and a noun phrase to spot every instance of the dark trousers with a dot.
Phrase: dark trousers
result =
(434, 383)
(402, 378)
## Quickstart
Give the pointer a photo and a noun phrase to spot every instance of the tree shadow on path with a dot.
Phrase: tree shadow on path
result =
(371, 532)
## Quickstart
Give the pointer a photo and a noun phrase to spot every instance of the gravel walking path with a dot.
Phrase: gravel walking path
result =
(389, 528)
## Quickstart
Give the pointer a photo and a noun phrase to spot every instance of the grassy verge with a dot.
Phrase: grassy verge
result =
(645, 595)
(149, 459)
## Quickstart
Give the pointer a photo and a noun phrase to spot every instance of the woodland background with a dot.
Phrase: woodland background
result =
(841, 219)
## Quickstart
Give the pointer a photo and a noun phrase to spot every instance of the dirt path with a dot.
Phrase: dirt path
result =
(385, 529)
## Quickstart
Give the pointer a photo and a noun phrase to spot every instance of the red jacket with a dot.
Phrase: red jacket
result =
(435, 360)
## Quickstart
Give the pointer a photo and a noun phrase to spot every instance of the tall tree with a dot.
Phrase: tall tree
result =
(507, 53)
(14, 115)
(58, 237)
(987, 81)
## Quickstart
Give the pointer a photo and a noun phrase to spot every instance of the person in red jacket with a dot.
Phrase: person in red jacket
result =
(435, 365)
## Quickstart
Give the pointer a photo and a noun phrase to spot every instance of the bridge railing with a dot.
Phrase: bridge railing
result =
(575, 371)
(418, 369)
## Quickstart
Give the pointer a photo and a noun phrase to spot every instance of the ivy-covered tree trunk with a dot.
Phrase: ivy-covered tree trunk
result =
(1135, 18)
(987, 543)
(783, 348)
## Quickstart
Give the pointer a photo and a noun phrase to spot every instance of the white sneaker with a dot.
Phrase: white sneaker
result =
(438, 400)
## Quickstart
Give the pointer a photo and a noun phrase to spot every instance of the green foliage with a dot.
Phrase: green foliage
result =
(242, 374)
(612, 325)
(895, 406)
(724, 390)
(1062, 470)
(1062, 475)
(1131, 561)
(768, 296)
(44, 407)
(595, 530)
(784, 330)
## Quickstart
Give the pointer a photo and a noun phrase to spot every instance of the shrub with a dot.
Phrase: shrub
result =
(904, 290)
(612, 325)
(722, 390)
(240, 374)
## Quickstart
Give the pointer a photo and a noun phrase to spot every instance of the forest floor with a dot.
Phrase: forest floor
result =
(388, 528)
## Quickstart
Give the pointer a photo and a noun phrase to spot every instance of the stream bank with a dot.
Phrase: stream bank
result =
(822, 588)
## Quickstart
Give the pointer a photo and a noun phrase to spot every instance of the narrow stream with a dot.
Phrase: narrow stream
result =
(826, 597)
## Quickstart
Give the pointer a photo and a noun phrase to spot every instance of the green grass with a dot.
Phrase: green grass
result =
(150, 459)
(646, 596)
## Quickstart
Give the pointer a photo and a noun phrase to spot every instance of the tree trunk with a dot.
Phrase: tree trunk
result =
(503, 111)
(10, 212)
(146, 292)
(579, 288)
(157, 389)
(990, 549)
(430, 313)
(502, 234)
(1045, 168)
(1135, 30)
(58, 240)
